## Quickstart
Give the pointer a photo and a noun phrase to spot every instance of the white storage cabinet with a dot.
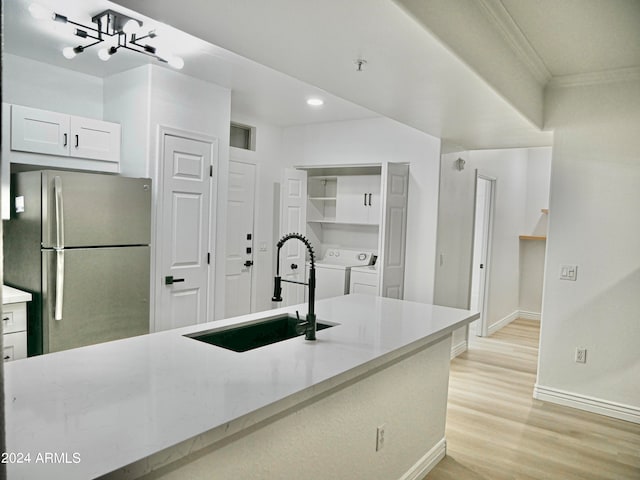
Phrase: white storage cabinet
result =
(358, 199)
(52, 133)
(14, 323)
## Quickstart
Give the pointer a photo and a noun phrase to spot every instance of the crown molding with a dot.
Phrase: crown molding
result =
(595, 78)
(498, 15)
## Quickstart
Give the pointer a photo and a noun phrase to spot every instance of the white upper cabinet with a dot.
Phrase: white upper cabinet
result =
(52, 133)
(94, 139)
(358, 199)
(39, 131)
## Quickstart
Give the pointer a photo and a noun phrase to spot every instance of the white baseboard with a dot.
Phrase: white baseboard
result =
(589, 404)
(529, 315)
(503, 322)
(427, 462)
(459, 348)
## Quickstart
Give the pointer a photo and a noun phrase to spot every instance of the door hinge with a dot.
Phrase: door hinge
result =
(208, 258)
(211, 170)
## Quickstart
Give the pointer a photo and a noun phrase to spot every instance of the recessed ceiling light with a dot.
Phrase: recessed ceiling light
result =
(315, 102)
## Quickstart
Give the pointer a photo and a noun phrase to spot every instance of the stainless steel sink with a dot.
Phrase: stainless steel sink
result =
(246, 337)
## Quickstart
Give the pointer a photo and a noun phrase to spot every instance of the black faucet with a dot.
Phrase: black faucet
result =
(310, 325)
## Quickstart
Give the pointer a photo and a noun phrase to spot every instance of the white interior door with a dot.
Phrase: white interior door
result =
(481, 249)
(184, 236)
(293, 219)
(394, 231)
(239, 246)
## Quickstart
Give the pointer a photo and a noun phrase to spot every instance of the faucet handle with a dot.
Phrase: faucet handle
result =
(302, 327)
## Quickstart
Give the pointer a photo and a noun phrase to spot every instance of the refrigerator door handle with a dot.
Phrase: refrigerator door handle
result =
(59, 248)
(57, 189)
(57, 314)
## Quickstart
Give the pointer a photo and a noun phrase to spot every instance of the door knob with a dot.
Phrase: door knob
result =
(248, 263)
(169, 280)
(482, 265)
(294, 266)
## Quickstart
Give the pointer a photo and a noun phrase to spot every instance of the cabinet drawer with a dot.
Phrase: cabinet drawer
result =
(14, 317)
(14, 346)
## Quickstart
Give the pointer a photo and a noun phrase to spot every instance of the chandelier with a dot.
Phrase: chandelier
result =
(127, 31)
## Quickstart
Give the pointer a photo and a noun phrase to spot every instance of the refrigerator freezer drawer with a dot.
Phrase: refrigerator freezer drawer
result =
(104, 296)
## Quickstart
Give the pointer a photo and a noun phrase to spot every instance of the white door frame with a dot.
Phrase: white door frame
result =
(484, 286)
(156, 283)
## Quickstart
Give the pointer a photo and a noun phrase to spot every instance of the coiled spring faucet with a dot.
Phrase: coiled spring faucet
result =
(310, 325)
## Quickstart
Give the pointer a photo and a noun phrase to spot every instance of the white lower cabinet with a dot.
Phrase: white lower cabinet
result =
(14, 346)
(14, 329)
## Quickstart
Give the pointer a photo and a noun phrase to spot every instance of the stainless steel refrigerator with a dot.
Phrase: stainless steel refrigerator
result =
(79, 242)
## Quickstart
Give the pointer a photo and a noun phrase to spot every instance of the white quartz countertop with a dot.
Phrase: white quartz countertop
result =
(13, 295)
(108, 405)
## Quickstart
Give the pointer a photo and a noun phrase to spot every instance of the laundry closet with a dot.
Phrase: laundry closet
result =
(355, 217)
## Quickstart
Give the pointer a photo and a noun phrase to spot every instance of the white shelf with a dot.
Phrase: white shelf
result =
(334, 222)
(324, 199)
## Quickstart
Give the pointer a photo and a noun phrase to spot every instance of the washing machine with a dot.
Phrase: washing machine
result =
(333, 270)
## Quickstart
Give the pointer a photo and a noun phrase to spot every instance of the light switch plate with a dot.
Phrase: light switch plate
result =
(569, 272)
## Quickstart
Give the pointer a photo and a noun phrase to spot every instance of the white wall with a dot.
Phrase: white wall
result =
(127, 102)
(378, 140)
(268, 159)
(521, 187)
(509, 168)
(594, 223)
(40, 85)
(150, 97)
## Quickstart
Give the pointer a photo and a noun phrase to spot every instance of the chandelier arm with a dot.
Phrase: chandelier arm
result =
(143, 52)
(86, 27)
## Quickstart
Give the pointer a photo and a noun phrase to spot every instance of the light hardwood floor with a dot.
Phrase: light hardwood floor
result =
(496, 430)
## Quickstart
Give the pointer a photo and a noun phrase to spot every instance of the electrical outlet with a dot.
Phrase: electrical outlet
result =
(581, 355)
(380, 438)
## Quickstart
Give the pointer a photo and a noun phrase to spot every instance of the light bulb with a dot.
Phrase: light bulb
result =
(315, 102)
(132, 26)
(68, 52)
(39, 12)
(104, 54)
(175, 62)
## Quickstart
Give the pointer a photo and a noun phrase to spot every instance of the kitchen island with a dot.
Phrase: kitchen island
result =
(168, 406)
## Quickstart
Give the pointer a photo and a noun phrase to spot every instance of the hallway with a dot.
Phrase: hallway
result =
(496, 430)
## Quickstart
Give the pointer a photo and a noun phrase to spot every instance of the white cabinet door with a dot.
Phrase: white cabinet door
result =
(39, 131)
(374, 200)
(394, 232)
(358, 199)
(52, 133)
(94, 139)
(14, 346)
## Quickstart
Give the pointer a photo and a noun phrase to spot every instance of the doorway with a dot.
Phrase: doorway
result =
(185, 202)
(239, 247)
(483, 220)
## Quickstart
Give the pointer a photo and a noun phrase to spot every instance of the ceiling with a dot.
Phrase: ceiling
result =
(257, 91)
(574, 37)
(422, 69)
